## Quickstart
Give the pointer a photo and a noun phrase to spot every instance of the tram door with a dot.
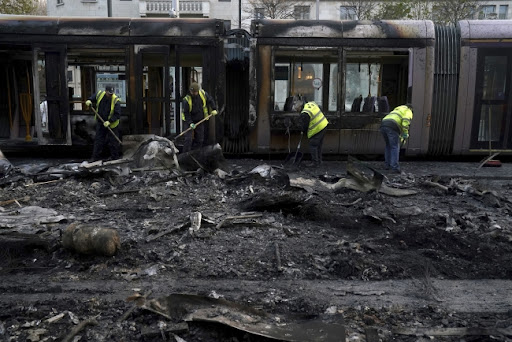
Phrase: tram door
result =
(190, 61)
(54, 91)
(153, 89)
(163, 76)
(492, 118)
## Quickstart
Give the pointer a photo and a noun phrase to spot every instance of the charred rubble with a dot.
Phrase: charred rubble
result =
(163, 246)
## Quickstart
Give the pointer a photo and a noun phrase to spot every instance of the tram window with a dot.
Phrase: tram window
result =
(495, 78)
(362, 80)
(489, 126)
(299, 81)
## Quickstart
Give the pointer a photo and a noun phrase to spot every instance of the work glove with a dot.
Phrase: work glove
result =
(106, 123)
(88, 103)
(193, 125)
(214, 112)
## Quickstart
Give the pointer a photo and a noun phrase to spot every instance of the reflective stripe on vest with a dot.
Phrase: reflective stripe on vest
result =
(189, 101)
(317, 119)
(115, 99)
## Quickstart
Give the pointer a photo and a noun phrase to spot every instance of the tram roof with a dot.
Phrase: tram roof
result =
(485, 29)
(382, 29)
(124, 27)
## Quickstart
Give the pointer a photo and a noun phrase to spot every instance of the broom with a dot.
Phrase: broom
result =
(26, 111)
(26, 107)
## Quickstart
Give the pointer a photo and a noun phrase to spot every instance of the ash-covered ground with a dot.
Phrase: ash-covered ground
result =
(432, 265)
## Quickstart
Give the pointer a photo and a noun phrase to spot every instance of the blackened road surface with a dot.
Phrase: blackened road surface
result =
(466, 296)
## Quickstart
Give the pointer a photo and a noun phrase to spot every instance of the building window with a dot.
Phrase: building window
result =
(301, 12)
(503, 12)
(487, 12)
(348, 13)
(224, 0)
(60, 2)
(259, 13)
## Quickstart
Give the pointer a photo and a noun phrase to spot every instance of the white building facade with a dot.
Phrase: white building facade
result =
(236, 12)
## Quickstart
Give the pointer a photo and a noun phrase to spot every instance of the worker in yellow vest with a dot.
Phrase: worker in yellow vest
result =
(395, 130)
(314, 124)
(196, 106)
(108, 107)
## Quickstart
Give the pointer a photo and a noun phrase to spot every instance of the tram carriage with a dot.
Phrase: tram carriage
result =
(457, 79)
(356, 72)
(60, 62)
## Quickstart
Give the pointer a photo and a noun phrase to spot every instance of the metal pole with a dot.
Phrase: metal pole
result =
(109, 8)
(317, 9)
(239, 14)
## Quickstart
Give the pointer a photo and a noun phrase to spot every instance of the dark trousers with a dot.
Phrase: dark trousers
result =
(105, 139)
(392, 149)
(315, 146)
(194, 138)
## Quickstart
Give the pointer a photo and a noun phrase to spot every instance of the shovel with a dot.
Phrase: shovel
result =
(294, 158)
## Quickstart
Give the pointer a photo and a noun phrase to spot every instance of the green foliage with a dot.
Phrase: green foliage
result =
(19, 6)
(451, 11)
(394, 10)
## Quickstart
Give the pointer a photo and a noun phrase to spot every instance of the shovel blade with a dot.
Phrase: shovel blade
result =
(293, 158)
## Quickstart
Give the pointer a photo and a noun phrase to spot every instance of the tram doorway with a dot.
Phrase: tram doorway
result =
(492, 118)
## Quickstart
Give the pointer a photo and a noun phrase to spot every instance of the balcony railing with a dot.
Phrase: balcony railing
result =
(159, 7)
(191, 7)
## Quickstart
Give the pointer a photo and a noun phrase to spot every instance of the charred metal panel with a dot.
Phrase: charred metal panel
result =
(236, 116)
(386, 29)
(349, 42)
(195, 28)
(113, 27)
(281, 122)
(261, 137)
(64, 26)
(57, 95)
(93, 27)
(390, 29)
(20, 25)
(361, 141)
(446, 75)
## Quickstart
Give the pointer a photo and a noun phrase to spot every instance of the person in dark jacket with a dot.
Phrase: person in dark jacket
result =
(196, 106)
(395, 130)
(108, 107)
(314, 124)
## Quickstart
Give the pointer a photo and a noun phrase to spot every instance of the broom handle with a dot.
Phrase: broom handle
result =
(103, 121)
